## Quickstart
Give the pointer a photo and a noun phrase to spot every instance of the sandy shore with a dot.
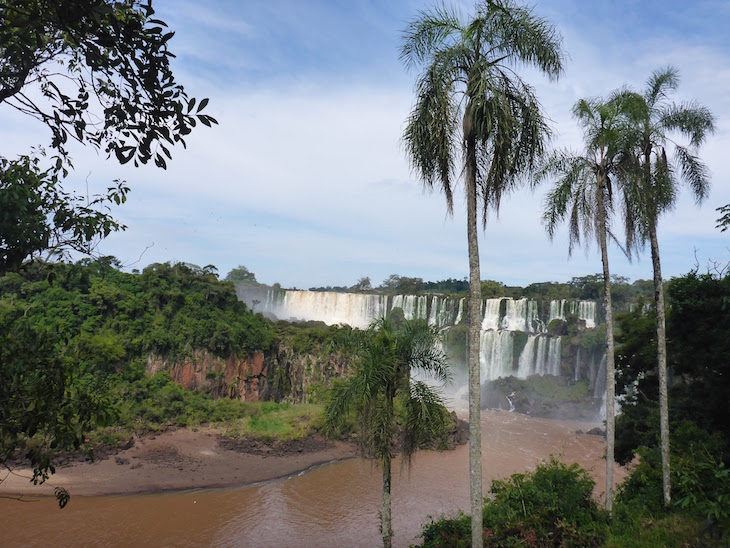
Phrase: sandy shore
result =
(175, 460)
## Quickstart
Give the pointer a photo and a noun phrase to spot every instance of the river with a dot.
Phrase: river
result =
(332, 505)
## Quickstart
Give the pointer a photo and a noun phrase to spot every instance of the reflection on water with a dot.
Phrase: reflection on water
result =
(333, 505)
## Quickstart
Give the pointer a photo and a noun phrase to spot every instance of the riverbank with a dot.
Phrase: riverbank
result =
(331, 505)
(182, 459)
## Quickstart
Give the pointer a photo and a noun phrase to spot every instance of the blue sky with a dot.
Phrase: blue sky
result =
(305, 182)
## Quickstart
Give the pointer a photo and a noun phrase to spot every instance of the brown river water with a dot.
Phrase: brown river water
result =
(332, 505)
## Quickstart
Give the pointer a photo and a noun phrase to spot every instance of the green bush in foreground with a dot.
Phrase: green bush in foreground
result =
(549, 507)
(700, 511)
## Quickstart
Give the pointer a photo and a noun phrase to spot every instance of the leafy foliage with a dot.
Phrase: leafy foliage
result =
(102, 70)
(700, 482)
(549, 507)
(37, 215)
(240, 274)
(75, 338)
(661, 161)
(43, 397)
(698, 345)
(385, 356)
(724, 220)
(697, 338)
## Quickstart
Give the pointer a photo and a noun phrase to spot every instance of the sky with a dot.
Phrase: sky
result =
(305, 180)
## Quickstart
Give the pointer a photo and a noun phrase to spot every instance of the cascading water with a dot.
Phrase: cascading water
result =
(443, 312)
(414, 307)
(515, 318)
(526, 363)
(490, 314)
(534, 323)
(553, 358)
(540, 356)
(356, 310)
(501, 318)
(460, 313)
(586, 310)
(557, 310)
(496, 354)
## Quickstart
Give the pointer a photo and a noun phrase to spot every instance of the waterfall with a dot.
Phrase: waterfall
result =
(359, 309)
(526, 362)
(496, 354)
(435, 316)
(541, 354)
(599, 389)
(460, 313)
(553, 360)
(355, 309)
(413, 306)
(534, 323)
(443, 313)
(510, 399)
(516, 317)
(587, 312)
(557, 310)
(490, 314)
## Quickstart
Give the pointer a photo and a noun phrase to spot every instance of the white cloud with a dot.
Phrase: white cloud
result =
(305, 183)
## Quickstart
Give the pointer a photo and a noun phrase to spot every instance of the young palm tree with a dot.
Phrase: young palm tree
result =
(585, 193)
(474, 115)
(386, 354)
(655, 119)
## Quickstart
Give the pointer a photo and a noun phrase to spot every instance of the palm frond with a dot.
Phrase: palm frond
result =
(694, 172)
(513, 35)
(425, 418)
(660, 83)
(690, 119)
(429, 137)
(427, 34)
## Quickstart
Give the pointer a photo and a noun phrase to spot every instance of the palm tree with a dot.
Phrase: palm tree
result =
(475, 115)
(386, 354)
(585, 193)
(655, 119)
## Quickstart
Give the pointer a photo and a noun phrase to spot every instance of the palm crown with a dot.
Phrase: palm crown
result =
(468, 82)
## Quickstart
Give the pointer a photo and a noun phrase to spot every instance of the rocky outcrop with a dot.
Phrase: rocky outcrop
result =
(281, 375)
(546, 397)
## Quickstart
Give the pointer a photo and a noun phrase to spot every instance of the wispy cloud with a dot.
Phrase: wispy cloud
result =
(305, 182)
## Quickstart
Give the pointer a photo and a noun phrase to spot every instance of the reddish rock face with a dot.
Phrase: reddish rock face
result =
(187, 377)
(251, 378)
(257, 364)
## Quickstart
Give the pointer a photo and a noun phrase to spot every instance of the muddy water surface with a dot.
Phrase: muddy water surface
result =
(332, 505)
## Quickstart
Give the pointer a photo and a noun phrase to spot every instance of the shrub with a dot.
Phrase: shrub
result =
(700, 486)
(549, 507)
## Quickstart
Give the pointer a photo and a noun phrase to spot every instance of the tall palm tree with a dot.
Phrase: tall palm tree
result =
(655, 120)
(587, 188)
(474, 115)
(385, 356)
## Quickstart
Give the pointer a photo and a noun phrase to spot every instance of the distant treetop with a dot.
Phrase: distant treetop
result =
(240, 275)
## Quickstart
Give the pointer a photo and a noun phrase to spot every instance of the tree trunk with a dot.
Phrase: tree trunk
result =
(610, 366)
(661, 340)
(385, 520)
(475, 301)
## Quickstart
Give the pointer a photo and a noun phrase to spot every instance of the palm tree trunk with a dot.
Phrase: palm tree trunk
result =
(385, 518)
(661, 338)
(475, 298)
(610, 366)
